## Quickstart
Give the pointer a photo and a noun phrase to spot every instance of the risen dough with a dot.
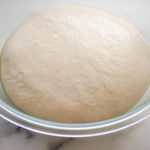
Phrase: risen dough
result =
(75, 64)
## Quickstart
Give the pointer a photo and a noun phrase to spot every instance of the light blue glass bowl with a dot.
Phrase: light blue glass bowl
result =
(136, 11)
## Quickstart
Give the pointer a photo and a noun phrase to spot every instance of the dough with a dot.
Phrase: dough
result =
(75, 64)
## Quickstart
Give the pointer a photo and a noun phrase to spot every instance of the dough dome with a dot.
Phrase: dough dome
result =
(75, 64)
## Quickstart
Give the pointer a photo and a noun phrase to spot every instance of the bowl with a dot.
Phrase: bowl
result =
(135, 11)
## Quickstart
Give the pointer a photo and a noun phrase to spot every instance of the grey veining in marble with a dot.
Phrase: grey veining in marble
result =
(16, 138)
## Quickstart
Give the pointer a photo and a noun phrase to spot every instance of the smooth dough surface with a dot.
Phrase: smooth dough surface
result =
(75, 64)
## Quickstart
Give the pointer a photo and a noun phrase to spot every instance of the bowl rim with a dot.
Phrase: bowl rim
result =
(81, 130)
(72, 126)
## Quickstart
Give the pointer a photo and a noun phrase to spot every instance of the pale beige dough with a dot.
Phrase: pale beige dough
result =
(75, 64)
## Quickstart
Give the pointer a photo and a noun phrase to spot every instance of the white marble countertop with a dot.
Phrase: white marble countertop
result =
(12, 13)
(16, 138)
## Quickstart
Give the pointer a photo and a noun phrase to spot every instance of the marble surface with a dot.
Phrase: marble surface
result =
(16, 138)
(12, 13)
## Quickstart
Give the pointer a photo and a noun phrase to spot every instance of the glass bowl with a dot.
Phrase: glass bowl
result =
(135, 11)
